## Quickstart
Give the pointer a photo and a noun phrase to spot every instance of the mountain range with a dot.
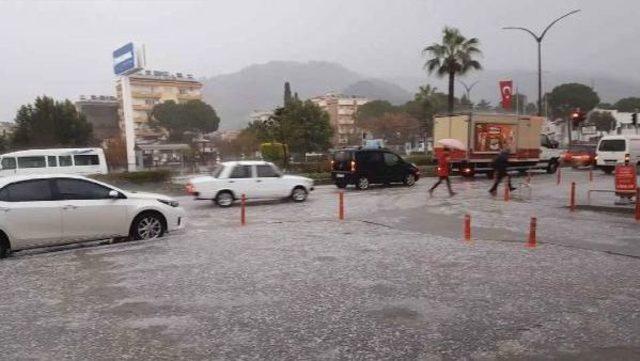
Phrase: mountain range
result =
(260, 86)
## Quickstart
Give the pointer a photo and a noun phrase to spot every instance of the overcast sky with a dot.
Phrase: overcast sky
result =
(63, 48)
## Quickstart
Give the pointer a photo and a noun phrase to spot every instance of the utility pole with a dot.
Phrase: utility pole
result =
(539, 39)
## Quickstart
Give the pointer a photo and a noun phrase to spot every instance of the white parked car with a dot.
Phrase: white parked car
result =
(46, 210)
(254, 179)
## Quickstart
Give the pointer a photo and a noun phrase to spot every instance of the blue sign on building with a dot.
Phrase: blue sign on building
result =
(124, 60)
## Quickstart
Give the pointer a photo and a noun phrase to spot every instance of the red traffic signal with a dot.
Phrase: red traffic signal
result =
(578, 117)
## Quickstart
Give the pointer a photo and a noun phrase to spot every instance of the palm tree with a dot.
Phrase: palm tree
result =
(454, 56)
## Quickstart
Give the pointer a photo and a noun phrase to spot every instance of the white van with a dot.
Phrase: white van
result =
(614, 149)
(82, 161)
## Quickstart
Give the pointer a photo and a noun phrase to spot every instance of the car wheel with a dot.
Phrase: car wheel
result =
(409, 180)
(552, 167)
(341, 184)
(299, 194)
(362, 183)
(148, 225)
(224, 199)
(5, 248)
(607, 170)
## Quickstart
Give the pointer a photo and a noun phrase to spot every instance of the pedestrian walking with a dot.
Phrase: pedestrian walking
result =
(500, 165)
(443, 172)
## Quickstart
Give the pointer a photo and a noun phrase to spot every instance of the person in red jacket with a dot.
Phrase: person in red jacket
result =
(443, 172)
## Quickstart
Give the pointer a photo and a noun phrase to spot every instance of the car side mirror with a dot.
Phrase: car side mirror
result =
(114, 194)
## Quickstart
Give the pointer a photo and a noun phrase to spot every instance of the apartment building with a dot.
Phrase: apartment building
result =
(149, 88)
(342, 111)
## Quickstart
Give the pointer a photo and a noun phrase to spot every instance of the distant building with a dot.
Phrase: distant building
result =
(102, 112)
(149, 88)
(557, 129)
(7, 128)
(226, 135)
(260, 115)
(342, 111)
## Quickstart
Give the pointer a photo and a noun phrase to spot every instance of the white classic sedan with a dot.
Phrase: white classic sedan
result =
(47, 210)
(254, 179)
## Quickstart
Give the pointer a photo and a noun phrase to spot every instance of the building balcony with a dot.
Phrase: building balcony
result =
(142, 107)
(195, 96)
(144, 94)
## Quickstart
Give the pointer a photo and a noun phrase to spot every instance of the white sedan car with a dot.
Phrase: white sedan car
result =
(47, 210)
(254, 179)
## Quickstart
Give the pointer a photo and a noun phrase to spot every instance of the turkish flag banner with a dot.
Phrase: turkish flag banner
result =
(506, 90)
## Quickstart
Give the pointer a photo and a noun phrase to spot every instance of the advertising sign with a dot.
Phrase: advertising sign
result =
(492, 137)
(125, 60)
(626, 179)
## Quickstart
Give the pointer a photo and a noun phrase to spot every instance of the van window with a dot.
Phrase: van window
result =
(86, 159)
(32, 162)
(65, 161)
(613, 145)
(391, 159)
(52, 160)
(8, 163)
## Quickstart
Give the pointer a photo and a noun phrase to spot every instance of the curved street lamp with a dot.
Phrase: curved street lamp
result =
(468, 88)
(539, 39)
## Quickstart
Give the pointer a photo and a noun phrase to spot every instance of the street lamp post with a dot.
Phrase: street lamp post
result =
(539, 39)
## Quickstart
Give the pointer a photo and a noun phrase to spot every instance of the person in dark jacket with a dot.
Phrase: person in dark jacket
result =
(443, 172)
(500, 165)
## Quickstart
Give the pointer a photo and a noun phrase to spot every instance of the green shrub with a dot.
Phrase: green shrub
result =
(272, 152)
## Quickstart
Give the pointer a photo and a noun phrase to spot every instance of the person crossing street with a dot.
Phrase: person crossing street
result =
(500, 165)
(443, 172)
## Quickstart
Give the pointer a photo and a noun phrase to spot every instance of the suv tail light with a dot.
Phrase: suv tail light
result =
(333, 163)
(189, 188)
(353, 165)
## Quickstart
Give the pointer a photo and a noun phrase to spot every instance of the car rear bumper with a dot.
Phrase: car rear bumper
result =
(342, 176)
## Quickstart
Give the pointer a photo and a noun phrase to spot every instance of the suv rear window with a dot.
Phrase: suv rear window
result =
(613, 145)
(343, 156)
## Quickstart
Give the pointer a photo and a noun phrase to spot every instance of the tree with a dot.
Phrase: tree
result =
(287, 94)
(566, 97)
(628, 105)
(465, 103)
(302, 126)
(5, 145)
(398, 128)
(374, 109)
(603, 121)
(531, 109)
(454, 56)
(193, 117)
(607, 106)
(49, 123)
(426, 103)
(483, 106)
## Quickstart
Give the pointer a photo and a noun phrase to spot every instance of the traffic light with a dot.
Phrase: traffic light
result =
(578, 117)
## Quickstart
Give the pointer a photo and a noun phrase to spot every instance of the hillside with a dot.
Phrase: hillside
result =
(236, 95)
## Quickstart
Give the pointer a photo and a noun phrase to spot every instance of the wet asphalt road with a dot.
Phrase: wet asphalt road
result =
(393, 281)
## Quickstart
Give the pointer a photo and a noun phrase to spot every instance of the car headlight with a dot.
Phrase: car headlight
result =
(169, 202)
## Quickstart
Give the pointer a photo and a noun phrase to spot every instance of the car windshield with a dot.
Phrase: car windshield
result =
(612, 145)
(217, 171)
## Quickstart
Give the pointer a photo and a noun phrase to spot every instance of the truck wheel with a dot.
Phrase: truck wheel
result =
(490, 174)
(607, 170)
(552, 167)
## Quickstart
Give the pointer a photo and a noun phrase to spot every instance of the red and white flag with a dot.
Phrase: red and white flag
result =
(506, 90)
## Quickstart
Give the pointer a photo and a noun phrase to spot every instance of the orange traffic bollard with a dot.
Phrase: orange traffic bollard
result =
(572, 202)
(243, 215)
(559, 180)
(341, 207)
(638, 204)
(507, 191)
(467, 227)
(532, 233)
